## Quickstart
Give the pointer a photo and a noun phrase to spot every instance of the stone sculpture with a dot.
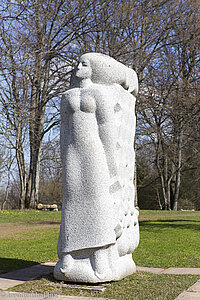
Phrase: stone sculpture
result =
(99, 226)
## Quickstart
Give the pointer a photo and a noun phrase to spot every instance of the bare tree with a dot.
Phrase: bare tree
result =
(170, 99)
(50, 173)
(38, 51)
(41, 40)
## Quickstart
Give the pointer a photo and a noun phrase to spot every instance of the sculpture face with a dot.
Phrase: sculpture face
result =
(83, 69)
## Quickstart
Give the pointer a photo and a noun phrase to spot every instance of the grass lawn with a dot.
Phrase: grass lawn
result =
(138, 286)
(28, 248)
(25, 248)
(27, 216)
(167, 239)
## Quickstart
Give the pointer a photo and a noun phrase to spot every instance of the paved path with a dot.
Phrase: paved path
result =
(11, 279)
(173, 271)
(46, 296)
(193, 293)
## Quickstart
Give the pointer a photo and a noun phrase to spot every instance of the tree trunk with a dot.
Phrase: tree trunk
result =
(28, 188)
(169, 194)
(158, 197)
(36, 145)
(35, 179)
(21, 166)
(163, 191)
(22, 178)
(162, 171)
(178, 173)
(8, 185)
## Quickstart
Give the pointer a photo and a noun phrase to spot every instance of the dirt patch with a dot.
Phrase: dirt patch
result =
(10, 229)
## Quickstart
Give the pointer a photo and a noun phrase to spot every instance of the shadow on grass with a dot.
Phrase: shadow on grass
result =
(11, 264)
(168, 223)
(31, 271)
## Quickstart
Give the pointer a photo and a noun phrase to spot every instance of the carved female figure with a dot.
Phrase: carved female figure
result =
(89, 227)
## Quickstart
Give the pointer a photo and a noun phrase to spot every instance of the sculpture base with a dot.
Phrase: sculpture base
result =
(83, 270)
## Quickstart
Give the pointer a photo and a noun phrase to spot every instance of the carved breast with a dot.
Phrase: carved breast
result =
(87, 104)
(74, 104)
(74, 100)
(81, 101)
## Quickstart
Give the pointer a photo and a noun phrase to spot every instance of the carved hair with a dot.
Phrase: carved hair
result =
(106, 70)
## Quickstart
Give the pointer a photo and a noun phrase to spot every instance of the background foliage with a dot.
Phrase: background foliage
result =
(41, 40)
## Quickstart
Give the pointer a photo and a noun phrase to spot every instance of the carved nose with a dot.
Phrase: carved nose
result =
(79, 66)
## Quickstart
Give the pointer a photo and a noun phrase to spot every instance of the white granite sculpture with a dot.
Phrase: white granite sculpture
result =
(99, 226)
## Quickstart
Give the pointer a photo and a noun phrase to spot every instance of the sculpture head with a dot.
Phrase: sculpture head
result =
(83, 70)
(103, 69)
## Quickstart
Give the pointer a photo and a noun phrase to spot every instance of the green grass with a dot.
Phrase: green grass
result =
(28, 248)
(167, 239)
(27, 215)
(140, 286)
(156, 214)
